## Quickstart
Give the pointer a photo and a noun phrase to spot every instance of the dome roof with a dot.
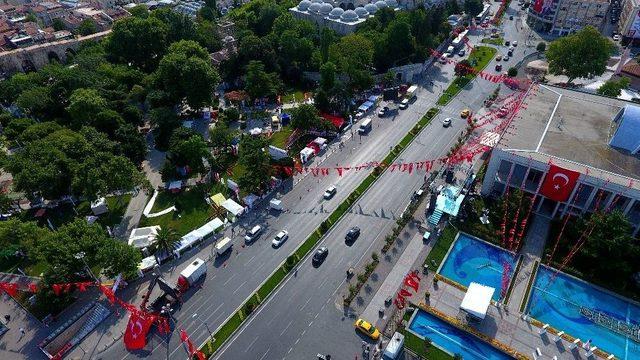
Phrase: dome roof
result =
(381, 4)
(349, 16)
(315, 8)
(371, 8)
(316, 1)
(391, 3)
(304, 5)
(325, 9)
(336, 13)
(362, 12)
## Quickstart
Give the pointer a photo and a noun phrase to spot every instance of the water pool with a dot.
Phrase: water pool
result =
(558, 304)
(453, 339)
(472, 260)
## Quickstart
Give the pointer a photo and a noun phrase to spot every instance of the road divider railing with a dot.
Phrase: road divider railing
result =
(233, 322)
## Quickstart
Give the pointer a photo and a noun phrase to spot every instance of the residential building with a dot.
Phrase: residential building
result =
(629, 24)
(562, 17)
(596, 138)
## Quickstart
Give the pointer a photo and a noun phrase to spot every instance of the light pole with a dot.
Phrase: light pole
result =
(80, 256)
(195, 316)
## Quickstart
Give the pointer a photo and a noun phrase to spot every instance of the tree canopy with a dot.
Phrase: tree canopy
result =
(613, 88)
(256, 160)
(580, 55)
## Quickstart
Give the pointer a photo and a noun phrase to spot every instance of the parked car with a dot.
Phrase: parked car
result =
(505, 58)
(330, 192)
(366, 328)
(499, 57)
(510, 17)
(616, 37)
(515, 43)
(280, 238)
(446, 122)
(461, 52)
(404, 104)
(352, 234)
(319, 256)
(253, 234)
(507, 42)
(510, 53)
(465, 113)
(443, 59)
(498, 67)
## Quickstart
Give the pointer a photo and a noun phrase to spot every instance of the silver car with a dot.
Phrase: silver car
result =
(280, 238)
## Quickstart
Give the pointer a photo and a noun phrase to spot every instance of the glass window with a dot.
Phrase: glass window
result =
(518, 175)
(600, 200)
(620, 203)
(503, 171)
(533, 180)
(634, 213)
(582, 195)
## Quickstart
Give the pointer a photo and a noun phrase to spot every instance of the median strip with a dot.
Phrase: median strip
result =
(233, 323)
(479, 58)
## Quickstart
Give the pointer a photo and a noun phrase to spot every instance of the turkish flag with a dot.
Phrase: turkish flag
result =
(559, 183)
(135, 337)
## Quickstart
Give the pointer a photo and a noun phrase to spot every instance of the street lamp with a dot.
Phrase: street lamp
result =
(195, 317)
(80, 256)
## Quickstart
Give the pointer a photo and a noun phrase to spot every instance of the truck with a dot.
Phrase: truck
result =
(223, 245)
(191, 274)
(411, 92)
(393, 349)
(275, 204)
(365, 126)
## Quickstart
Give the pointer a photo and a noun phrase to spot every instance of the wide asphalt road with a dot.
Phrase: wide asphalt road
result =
(302, 319)
(235, 276)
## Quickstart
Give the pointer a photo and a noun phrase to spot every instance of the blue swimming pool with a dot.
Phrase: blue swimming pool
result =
(472, 260)
(558, 304)
(453, 339)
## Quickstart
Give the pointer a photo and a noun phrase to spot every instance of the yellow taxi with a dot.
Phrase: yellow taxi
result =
(367, 329)
(465, 113)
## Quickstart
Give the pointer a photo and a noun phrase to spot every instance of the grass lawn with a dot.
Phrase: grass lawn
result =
(417, 346)
(493, 41)
(192, 212)
(439, 250)
(279, 138)
(296, 95)
(479, 58)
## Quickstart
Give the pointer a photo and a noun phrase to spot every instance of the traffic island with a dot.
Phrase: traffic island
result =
(233, 322)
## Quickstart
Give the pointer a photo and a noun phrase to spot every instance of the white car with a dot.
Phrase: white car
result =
(616, 37)
(328, 194)
(446, 122)
(280, 238)
(252, 234)
(515, 43)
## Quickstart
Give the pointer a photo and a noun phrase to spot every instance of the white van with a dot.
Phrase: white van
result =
(393, 349)
(404, 104)
(223, 245)
(253, 234)
(365, 126)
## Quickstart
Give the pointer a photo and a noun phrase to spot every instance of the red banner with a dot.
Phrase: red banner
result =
(135, 336)
(190, 347)
(559, 183)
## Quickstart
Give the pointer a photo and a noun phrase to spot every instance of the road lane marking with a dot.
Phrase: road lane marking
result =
(297, 341)
(250, 260)
(285, 329)
(289, 350)
(229, 279)
(239, 287)
(265, 354)
(305, 304)
(250, 345)
(310, 323)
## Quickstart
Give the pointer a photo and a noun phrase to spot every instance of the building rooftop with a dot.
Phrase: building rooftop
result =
(573, 129)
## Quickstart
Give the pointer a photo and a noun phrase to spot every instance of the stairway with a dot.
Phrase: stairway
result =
(434, 219)
(94, 318)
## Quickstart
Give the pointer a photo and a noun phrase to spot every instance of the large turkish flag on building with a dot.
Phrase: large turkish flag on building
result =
(135, 337)
(559, 183)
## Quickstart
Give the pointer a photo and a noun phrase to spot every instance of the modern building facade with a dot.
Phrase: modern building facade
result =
(562, 17)
(597, 137)
(629, 24)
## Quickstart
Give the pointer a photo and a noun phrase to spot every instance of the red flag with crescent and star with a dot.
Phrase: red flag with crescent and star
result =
(559, 183)
(135, 337)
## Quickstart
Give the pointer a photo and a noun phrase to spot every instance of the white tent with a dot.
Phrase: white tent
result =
(233, 207)
(306, 154)
(209, 228)
(197, 235)
(477, 300)
(143, 237)
(99, 206)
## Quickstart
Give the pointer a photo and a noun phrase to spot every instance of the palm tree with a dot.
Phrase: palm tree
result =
(166, 241)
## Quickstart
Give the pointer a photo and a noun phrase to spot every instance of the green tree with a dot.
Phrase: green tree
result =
(103, 173)
(131, 143)
(166, 241)
(87, 27)
(139, 11)
(220, 136)
(259, 83)
(5, 203)
(473, 7)
(541, 47)
(613, 88)
(190, 152)
(328, 76)
(38, 131)
(256, 160)
(139, 41)
(84, 104)
(583, 54)
(512, 72)
(180, 26)
(207, 35)
(17, 127)
(165, 121)
(58, 24)
(186, 73)
(463, 68)
(36, 102)
(306, 117)
(353, 55)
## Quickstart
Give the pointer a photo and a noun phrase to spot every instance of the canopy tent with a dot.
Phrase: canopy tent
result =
(175, 185)
(250, 200)
(218, 199)
(255, 131)
(450, 200)
(365, 106)
(197, 235)
(143, 237)
(337, 121)
(147, 264)
(209, 228)
(477, 300)
(306, 154)
(373, 98)
(233, 207)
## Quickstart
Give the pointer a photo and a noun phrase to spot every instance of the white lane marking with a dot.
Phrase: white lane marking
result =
(310, 323)
(297, 341)
(265, 354)
(239, 287)
(285, 329)
(289, 350)
(229, 279)
(250, 260)
(305, 304)
(250, 345)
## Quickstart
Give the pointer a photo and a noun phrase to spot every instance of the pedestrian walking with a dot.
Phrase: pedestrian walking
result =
(7, 317)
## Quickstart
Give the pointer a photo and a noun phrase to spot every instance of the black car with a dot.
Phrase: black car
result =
(352, 234)
(320, 255)
(507, 43)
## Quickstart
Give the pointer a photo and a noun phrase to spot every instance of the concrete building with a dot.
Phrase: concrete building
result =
(595, 136)
(562, 17)
(343, 18)
(629, 24)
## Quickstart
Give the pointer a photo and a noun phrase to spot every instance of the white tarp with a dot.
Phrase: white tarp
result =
(233, 207)
(147, 263)
(477, 300)
(143, 237)
(198, 234)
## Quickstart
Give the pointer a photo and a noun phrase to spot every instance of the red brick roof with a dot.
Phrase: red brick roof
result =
(632, 68)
